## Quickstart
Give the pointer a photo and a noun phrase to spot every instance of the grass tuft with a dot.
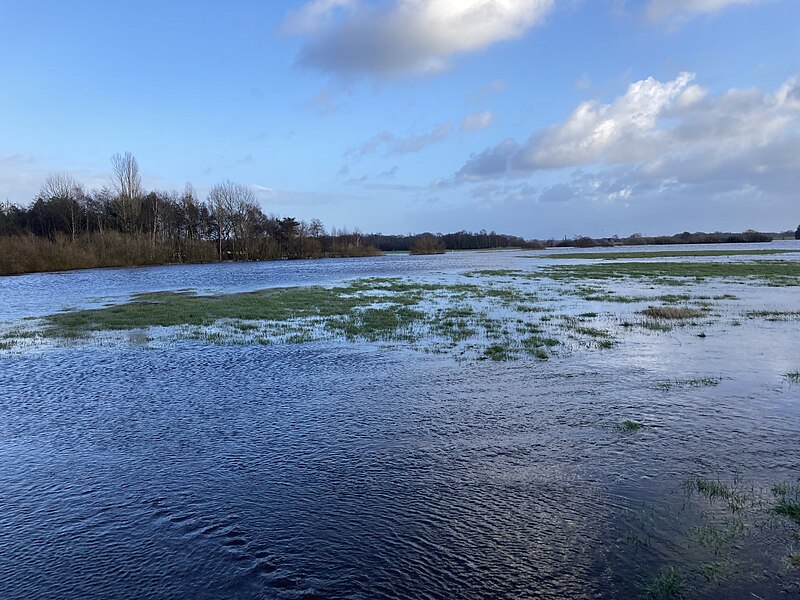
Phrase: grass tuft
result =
(792, 377)
(628, 426)
(788, 497)
(668, 584)
(728, 493)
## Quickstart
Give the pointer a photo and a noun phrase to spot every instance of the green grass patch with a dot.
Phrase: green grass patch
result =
(373, 324)
(792, 377)
(688, 383)
(788, 500)
(498, 352)
(165, 309)
(535, 345)
(628, 426)
(776, 272)
(661, 254)
(715, 490)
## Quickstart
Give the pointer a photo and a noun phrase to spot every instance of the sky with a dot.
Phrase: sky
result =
(538, 118)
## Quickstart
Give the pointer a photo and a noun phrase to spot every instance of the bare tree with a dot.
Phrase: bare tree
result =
(62, 190)
(316, 229)
(127, 183)
(231, 203)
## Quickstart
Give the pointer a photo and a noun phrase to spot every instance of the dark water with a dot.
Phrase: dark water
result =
(346, 471)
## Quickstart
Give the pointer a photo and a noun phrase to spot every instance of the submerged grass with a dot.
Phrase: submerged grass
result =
(788, 500)
(792, 377)
(667, 584)
(773, 315)
(628, 426)
(477, 320)
(373, 324)
(498, 352)
(718, 570)
(688, 383)
(794, 560)
(717, 537)
(497, 320)
(771, 272)
(730, 494)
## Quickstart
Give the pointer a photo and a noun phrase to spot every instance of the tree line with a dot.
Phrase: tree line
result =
(67, 226)
(229, 221)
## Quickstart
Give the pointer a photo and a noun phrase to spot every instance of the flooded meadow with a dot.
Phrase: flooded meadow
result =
(617, 423)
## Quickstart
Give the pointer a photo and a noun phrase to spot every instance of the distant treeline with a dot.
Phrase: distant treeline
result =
(425, 243)
(636, 239)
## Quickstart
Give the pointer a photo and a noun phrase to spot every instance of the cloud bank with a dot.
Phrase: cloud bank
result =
(402, 37)
(672, 129)
(672, 143)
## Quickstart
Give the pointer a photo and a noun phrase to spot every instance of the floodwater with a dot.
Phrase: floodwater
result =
(342, 470)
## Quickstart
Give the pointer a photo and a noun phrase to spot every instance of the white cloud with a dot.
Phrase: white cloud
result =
(476, 121)
(673, 130)
(659, 10)
(356, 37)
(612, 133)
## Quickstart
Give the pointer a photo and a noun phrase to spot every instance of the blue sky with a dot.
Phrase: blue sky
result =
(540, 118)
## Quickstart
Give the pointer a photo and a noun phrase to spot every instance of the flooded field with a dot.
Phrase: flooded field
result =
(474, 425)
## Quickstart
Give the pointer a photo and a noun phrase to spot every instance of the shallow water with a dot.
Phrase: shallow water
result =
(337, 470)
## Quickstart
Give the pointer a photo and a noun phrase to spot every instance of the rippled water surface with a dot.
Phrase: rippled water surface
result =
(339, 470)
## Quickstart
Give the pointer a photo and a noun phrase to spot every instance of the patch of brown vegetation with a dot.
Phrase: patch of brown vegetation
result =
(672, 312)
